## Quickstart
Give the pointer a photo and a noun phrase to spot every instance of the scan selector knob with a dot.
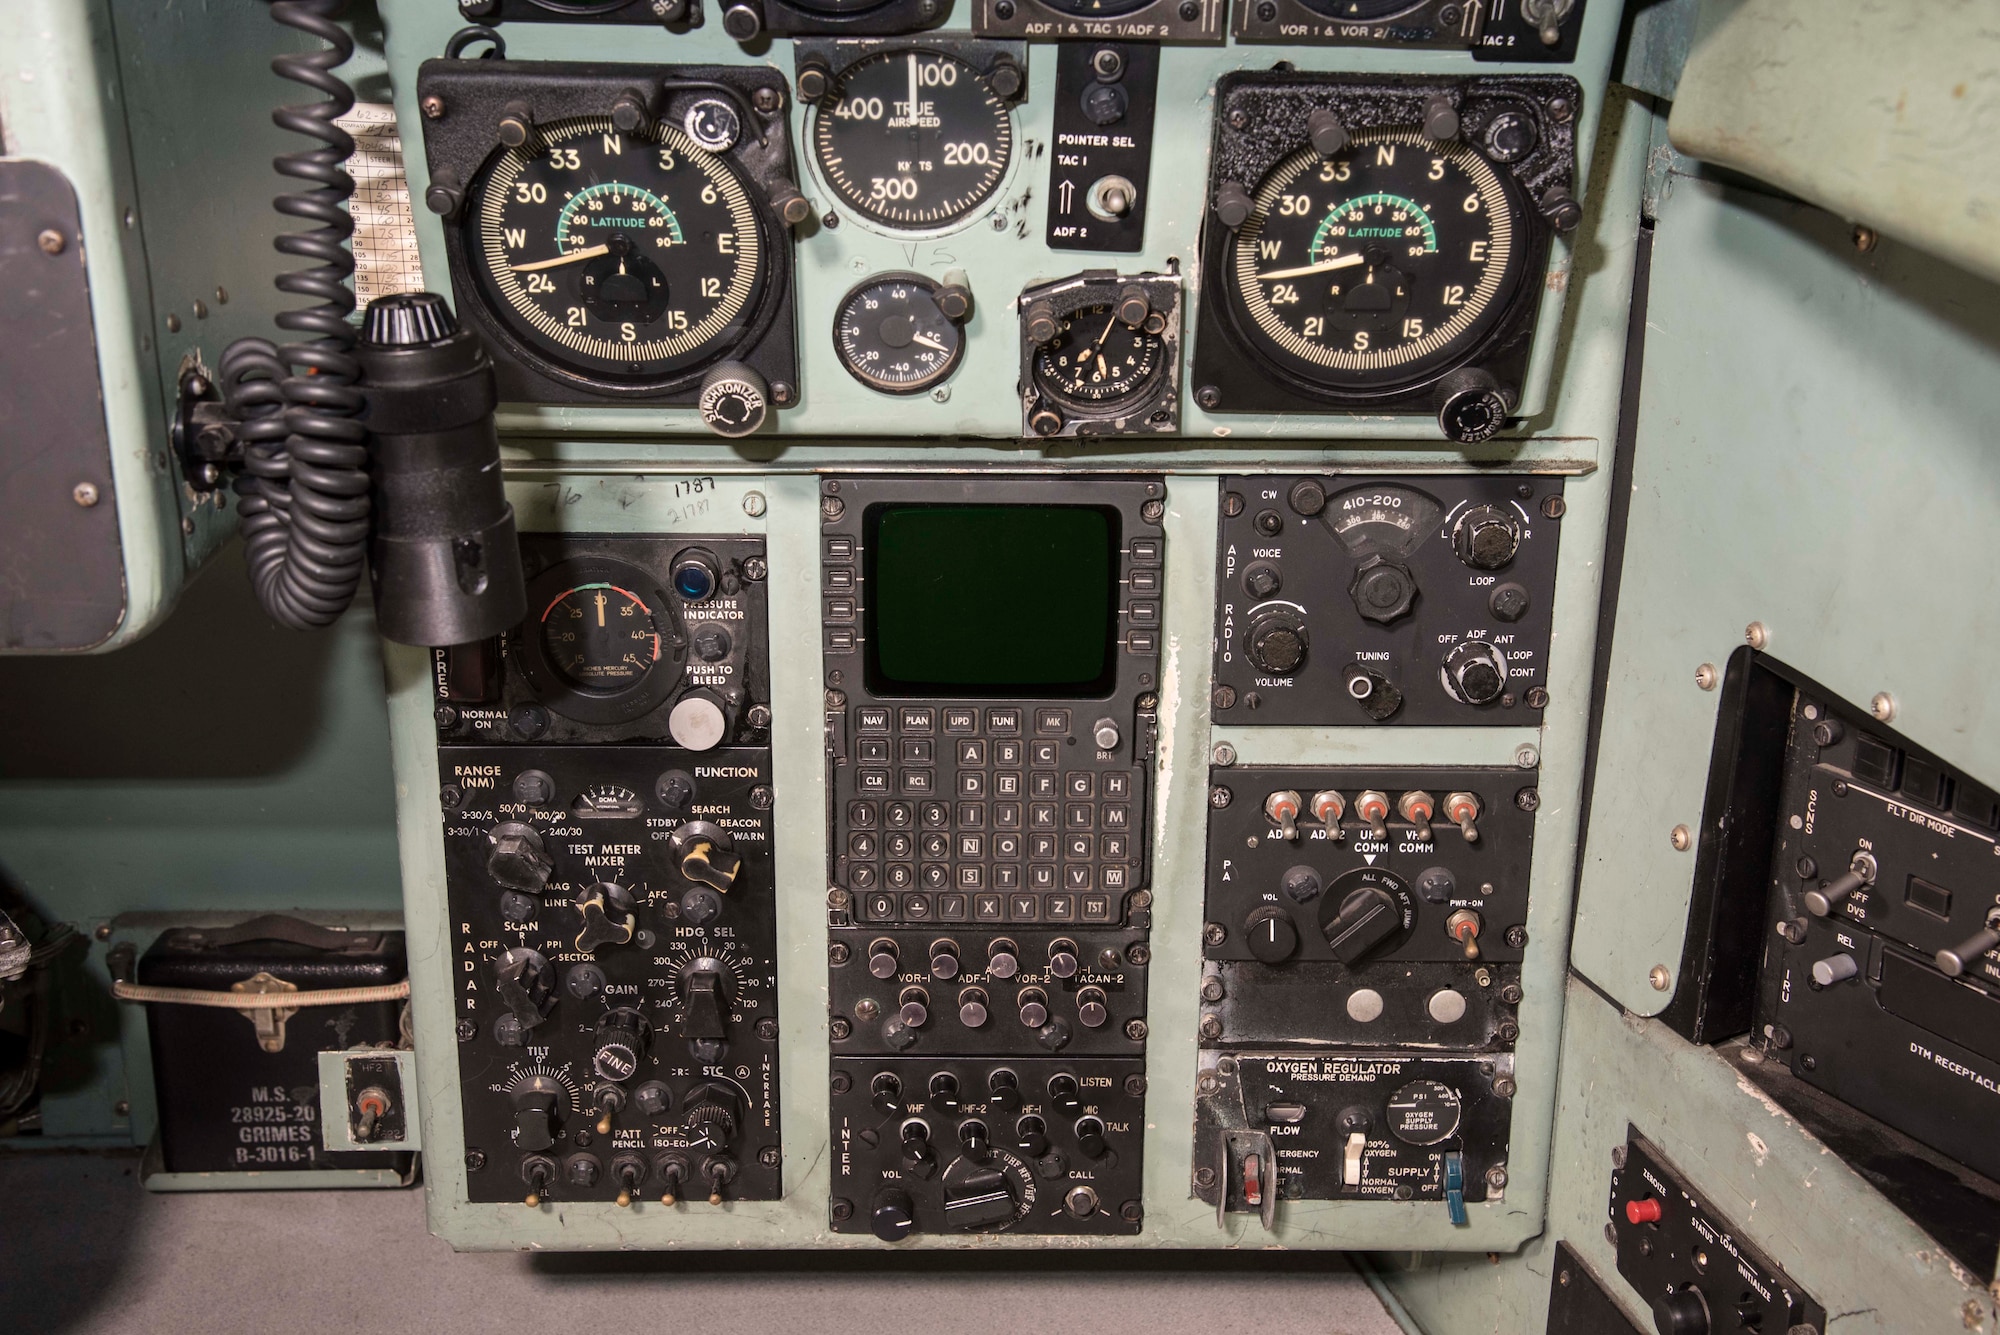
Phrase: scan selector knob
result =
(526, 985)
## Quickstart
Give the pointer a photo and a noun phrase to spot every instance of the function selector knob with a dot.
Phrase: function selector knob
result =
(1486, 537)
(1474, 673)
(622, 1036)
(706, 854)
(733, 400)
(1271, 935)
(517, 860)
(525, 982)
(608, 917)
(1383, 591)
(1275, 639)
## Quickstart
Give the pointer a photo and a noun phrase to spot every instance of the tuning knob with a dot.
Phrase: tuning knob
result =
(1367, 918)
(1383, 590)
(1486, 537)
(1474, 673)
(517, 860)
(526, 985)
(706, 855)
(608, 918)
(1271, 935)
(714, 1112)
(622, 1035)
(1275, 639)
(538, 1105)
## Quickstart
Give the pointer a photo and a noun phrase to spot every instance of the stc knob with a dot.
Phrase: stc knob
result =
(1681, 1312)
(1271, 935)
(893, 1214)
(621, 1044)
(1486, 537)
(1276, 639)
(1474, 673)
(1367, 918)
(713, 1114)
(538, 1103)
(517, 860)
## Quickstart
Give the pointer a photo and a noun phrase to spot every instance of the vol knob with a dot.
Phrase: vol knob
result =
(517, 860)
(734, 400)
(892, 1215)
(1271, 935)
(1486, 537)
(1275, 639)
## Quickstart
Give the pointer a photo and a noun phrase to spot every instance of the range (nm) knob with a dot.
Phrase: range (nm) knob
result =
(517, 859)
(1367, 918)
(1474, 673)
(538, 1106)
(608, 918)
(892, 1215)
(526, 985)
(1486, 537)
(1383, 590)
(1271, 935)
(1275, 639)
(622, 1034)
(1682, 1312)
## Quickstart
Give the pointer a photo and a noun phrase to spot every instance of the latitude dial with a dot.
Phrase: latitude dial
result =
(1378, 267)
(912, 139)
(1096, 358)
(631, 256)
(893, 334)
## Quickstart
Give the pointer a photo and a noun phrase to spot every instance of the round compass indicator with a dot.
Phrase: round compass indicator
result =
(1096, 358)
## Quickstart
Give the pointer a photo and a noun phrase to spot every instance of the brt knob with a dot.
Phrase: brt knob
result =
(1276, 639)
(1271, 935)
(1486, 537)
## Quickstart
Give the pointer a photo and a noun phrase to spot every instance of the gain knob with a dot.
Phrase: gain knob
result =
(622, 1035)
(1275, 639)
(1486, 537)
(1474, 673)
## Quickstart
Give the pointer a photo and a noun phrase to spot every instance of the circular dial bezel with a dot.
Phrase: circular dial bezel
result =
(1054, 380)
(840, 153)
(554, 686)
(1363, 11)
(851, 338)
(1095, 9)
(1454, 185)
(713, 296)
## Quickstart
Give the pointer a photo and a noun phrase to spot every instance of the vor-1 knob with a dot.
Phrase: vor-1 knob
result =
(1275, 639)
(1486, 537)
(517, 859)
(622, 1035)
(1474, 673)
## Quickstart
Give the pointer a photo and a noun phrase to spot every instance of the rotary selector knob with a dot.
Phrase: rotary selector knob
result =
(1486, 537)
(734, 400)
(1474, 673)
(622, 1034)
(1271, 935)
(1383, 590)
(1275, 639)
(1364, 911)
(706, 854)
(539, 1101)
(1682, 1312)
(517, 859)
(714, 1112)
(526, 985)
(608, 917)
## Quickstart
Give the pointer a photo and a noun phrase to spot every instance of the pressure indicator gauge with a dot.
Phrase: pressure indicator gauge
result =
(913, 139)
(899, 333)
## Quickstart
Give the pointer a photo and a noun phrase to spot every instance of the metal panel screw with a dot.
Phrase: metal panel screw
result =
(1139, 957)
(173, 324)
(832, 508)
(767, 1029)
(433, 107)
(1756, 635)
(1555, 507)
(840, 1028)
(104, 931)
(1204, 1177)
(1130, 1212)
(1528, 799)
(1211, 988)
(1617, 1156)
(842, 1211)
(1865, 238)
(838, 954)
(1211, 1027)
(1135, 1085)
(1538, 698)
(1611, 1234)
(942, 394)
(1526, 756)
(1135, 1030)
(1224, 697)
(753, 504)
(1972, 1315)
(836, 898)
(760, 796)
(1214, 934)
(1208, 1084)
(1883, 706)
(51, 241)
(1704, 676)
(1681, 838)
(1517, 936)
(770, 1156)
(1152, 510)
(1503, 1086)
(467, 1031)
(1224, 754)
(475, 1160)
(1659, 977)
(1220, 797)
(1496, 1177)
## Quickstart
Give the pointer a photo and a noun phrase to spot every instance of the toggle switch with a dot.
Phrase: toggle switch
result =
(1327, 807)
(1454, 1187)
(1350, 1158)
(1463, 927)
(1823, 900)
(1417, 807)
(1283, 808)
(1962, 956)
(1372, 809)
(1462, 810)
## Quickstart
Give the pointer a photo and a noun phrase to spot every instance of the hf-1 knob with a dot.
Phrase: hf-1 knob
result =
(517, 860)
(1474, 673)
(622, 1035)
(1486, 537)
(1275, 639)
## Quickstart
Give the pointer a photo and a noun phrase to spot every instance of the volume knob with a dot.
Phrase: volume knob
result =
(1276, 639)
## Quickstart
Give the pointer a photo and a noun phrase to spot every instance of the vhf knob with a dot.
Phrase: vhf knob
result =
(1486, 537)
(1474, 673)
(622, 1034)
(517, 860)
(1275, 639)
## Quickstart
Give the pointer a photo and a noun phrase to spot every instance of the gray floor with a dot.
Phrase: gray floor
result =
(84, 1248)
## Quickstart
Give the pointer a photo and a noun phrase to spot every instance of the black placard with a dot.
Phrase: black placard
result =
(1093, 150)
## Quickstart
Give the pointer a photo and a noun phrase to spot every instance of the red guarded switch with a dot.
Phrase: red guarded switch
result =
(1643, 1212)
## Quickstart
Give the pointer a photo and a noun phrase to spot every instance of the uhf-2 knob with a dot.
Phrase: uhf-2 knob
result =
(517, 859)
(622, 1035)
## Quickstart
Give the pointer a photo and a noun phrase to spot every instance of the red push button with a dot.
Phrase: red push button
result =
(1643, 1212)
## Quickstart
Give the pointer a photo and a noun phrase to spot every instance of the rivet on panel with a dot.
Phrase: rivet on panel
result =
(1224, 754)
(1682, 837)
(1704, 676)
(1659, 977)
(1883, 706)
(1865, 238)
(753, 504)
(1756, 635)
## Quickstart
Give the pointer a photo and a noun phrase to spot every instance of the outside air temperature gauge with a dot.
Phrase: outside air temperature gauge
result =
(901, 333)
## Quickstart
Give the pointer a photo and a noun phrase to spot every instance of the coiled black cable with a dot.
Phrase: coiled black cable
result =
(304, 487)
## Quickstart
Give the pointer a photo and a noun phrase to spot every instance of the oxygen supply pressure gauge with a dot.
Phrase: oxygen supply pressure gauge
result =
(1379, 243)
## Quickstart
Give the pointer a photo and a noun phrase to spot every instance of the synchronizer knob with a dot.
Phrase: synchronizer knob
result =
(1486, 537)
(1275, 639)
(734, 400)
